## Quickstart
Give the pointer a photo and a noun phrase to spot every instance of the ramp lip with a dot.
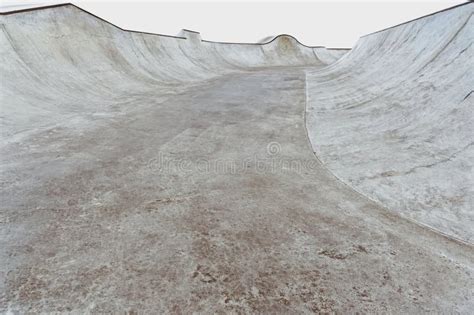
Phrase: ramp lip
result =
(219, 42)
(191, 31)
(273, 39)
(87, 12)
(157, 34)
(419, 18)
(35, 8)
(265, 43)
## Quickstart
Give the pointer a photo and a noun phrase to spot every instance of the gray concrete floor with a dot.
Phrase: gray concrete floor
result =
(136, 213)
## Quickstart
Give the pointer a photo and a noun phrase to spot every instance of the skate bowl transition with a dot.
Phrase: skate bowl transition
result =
(146, 173)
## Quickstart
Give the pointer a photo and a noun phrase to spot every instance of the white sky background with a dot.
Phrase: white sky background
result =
(327, 23)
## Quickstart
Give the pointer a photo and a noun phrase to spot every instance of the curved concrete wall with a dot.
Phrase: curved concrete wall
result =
(394, 119)
(81, 52)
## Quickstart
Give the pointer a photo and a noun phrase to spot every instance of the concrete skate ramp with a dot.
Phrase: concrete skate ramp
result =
(79, 51)
(395, 119)
(146, 173)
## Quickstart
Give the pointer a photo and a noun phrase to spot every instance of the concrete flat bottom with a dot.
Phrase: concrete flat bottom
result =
(210, 201)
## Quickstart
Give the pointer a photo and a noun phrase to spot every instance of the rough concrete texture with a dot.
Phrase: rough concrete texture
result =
(153, 174)
(400, 128)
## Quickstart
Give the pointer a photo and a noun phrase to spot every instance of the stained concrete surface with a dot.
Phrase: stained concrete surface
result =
(147, 174)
